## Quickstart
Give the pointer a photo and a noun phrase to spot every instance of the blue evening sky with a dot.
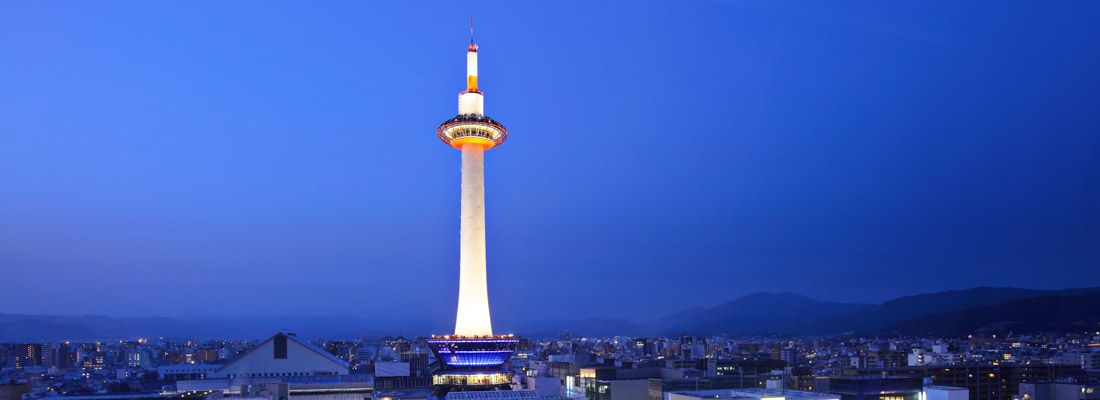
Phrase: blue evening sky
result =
(183, 158)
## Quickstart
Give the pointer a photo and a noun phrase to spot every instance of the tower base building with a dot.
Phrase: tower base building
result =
(471, 364)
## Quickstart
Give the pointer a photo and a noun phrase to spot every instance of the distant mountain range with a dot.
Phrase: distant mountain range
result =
(1064, 312)
(948, 313)
(782, 314)
(22, 327)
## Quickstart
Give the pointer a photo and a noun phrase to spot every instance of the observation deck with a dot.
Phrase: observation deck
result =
(472, 129)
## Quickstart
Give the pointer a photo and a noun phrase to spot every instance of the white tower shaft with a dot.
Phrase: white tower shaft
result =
(473, 294)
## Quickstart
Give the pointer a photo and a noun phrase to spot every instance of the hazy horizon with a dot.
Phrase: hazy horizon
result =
(499, 317)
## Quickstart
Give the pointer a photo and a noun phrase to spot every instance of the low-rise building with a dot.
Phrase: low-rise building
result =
(748, 394)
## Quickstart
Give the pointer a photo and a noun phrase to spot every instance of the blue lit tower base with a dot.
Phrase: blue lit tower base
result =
(471, 363)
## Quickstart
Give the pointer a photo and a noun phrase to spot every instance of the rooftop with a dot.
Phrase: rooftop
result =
(941, 387)
(755, 393)
(501, 395)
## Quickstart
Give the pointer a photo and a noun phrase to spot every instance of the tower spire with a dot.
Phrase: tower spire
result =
(471, 62)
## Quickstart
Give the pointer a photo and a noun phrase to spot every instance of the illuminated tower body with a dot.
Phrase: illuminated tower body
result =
(473, 358)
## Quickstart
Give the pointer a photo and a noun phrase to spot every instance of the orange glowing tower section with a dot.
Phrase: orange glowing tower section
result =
(473, 358)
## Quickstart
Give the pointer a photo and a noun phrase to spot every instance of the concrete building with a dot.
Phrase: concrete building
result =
(543, 385)
(14, 391)
(985, 382)
(308, 373)
(178, 372)
(396, 375)
(919, 357)
(283, 355)
(612, 383)
(390, 368)
(871, 387)
(1091, 361)
(501, 395)
(617, 389)
(1059, 391)
(748, 394)
(936, 392)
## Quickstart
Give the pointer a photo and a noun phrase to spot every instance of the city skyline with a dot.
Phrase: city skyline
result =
(278, 159)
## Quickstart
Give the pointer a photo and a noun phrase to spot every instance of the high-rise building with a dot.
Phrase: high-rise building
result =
(34, 354)
(66, 357)
(206, 356)
(48, 356)
(473, 357)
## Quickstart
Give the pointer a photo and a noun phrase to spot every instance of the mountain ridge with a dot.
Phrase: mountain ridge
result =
(1058, 312)
(763, 313)
(914, 306)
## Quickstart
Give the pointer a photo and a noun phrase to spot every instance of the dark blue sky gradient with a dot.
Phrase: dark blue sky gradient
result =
(268, 158)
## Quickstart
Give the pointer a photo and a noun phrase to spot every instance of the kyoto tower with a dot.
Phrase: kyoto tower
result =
(473, 357)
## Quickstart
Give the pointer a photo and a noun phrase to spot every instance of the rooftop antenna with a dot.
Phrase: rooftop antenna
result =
(471, 29)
